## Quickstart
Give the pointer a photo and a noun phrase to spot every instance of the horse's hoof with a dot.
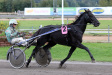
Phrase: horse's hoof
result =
(64, 66)
(26, 65)
(93, 61)
(60, 65)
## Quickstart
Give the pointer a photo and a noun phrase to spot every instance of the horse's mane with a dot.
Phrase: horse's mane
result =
(79, 17)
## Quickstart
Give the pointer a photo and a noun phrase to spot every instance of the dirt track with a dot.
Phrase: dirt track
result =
(73, 68)
(96, 38)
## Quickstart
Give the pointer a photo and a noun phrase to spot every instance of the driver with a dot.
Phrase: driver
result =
(12, 35)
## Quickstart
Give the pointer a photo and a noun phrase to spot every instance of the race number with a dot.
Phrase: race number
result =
(64, 30)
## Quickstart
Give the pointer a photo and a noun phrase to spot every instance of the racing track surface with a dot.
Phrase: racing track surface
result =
(73, 68)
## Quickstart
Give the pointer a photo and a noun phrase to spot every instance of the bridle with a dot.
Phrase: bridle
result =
(89, 18)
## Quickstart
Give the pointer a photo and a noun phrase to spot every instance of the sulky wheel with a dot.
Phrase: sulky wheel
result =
(43, 58)
(17, 58)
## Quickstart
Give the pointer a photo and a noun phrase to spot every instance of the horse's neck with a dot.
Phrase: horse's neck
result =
(82, 25)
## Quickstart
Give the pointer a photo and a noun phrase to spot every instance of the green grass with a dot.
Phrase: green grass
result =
(100, 51)
(27, 24)
(103, 25)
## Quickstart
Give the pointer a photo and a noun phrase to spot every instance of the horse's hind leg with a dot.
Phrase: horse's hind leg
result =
(46, 48)
(69, 55)
(85, 48)
(49, 45)
(40, 43)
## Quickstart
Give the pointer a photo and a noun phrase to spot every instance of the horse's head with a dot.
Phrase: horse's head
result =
(91, 18)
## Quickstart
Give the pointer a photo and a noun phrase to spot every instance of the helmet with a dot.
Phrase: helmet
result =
(12, 21)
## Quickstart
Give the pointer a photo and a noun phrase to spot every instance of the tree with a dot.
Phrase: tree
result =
(49, 3)
(46, 3)
(82, 3)
(37, 1)
(15, 5)
(103, 3)
(110, 3)
(59, 3)
(72, 3)
(2, 5)
(8, 5)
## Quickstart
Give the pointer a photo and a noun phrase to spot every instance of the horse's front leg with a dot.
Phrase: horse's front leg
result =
(40, 43)
(69, 55)
(85, 48)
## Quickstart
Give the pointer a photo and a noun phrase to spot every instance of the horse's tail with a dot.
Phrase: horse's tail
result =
(35, 34)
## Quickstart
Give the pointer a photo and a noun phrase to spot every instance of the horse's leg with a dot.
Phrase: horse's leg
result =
(46, 48)
(40, 43)
(69, 55)
(29, 60)
(85, 48)
(49, 45)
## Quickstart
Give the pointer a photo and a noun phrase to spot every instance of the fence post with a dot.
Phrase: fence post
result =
(32, 29)
(108, 33)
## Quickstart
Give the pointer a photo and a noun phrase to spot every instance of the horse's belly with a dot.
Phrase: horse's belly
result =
(60, 39)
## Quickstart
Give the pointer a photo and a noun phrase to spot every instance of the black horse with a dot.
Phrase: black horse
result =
(72, 39)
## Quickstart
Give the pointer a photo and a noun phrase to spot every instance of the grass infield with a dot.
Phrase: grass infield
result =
(100, 51)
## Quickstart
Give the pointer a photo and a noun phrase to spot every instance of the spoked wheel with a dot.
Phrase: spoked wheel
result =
(42, 58)
(17, 58)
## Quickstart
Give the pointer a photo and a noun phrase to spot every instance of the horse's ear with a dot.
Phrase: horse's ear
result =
(85, 10)
(88, 10)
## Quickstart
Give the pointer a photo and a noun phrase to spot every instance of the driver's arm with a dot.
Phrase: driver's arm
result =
(14, 34)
